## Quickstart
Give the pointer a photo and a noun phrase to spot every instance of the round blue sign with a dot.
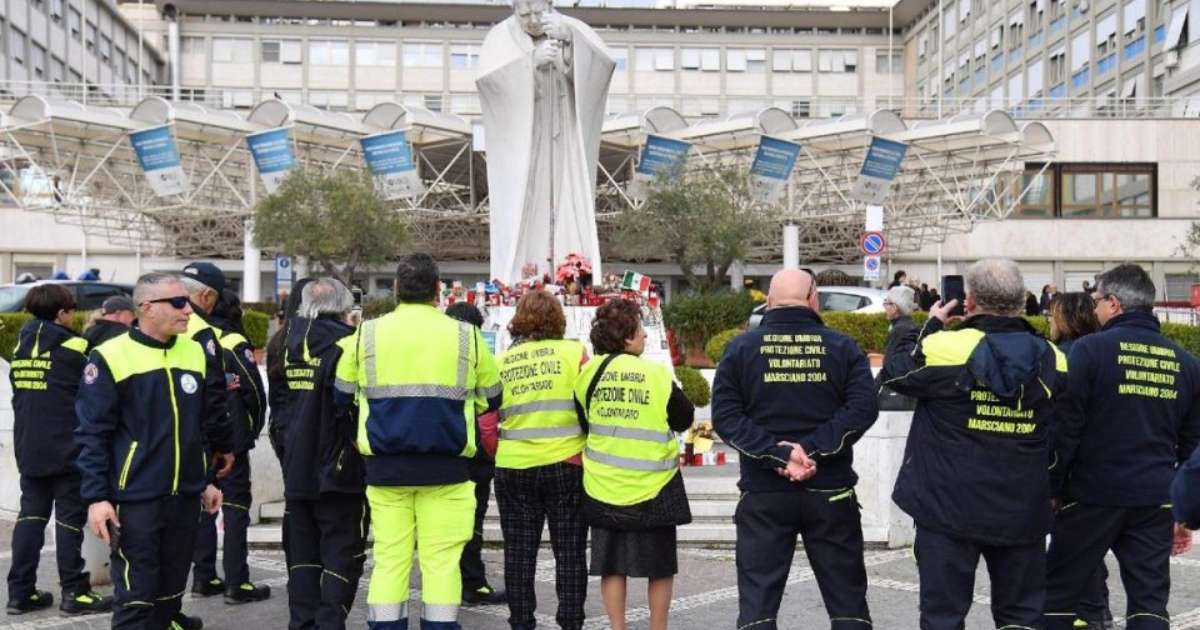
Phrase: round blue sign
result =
(872, 264)
(873, 243)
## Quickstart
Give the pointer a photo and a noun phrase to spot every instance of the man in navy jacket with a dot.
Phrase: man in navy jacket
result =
(1132, 414)
(793, 396)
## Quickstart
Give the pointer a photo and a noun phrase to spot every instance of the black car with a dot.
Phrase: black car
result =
(89, 295)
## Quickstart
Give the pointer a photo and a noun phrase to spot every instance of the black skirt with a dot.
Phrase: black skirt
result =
(646, 553)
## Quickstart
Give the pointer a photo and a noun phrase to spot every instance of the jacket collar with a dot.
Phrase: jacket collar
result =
(792, 315)
(999, 324)
(146, 340)
(1134, 319)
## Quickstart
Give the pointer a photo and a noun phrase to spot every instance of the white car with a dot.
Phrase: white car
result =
(837, 299)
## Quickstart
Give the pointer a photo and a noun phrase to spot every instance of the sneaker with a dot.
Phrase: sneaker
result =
(86, 603)
(37, 601)
(485, 595)
(184, 622)
(247, 593)
(215, 586)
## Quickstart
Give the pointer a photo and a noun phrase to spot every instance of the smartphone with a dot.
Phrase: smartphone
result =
(953, 289)
(114, 535)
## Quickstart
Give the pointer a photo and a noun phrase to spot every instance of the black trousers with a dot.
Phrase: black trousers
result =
(150, 566)
(946, 565)
(1139, 537)
(831, 526)
(38, 496)
(1093, 603)
(471, 564)
(328, 540)
(527, 499)
(235, 513)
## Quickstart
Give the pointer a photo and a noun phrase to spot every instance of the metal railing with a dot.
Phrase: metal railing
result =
(467, 103)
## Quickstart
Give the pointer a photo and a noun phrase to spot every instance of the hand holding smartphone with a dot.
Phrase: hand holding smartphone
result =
(953, 288)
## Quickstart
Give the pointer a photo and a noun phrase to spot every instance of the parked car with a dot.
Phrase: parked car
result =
(837, 299)
(88, 295)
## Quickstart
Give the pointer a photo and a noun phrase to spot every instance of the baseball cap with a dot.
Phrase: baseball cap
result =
(207, 274)
(116, 303)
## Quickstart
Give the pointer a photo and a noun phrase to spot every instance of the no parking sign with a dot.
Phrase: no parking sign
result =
(872, 243)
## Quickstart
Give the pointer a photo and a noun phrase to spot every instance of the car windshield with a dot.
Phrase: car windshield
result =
(11, 297)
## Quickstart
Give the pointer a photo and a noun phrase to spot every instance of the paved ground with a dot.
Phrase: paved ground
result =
(705, 596)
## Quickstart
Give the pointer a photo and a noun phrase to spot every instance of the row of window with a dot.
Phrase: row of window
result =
(1088, 191)
(27, 52)
(336, 52)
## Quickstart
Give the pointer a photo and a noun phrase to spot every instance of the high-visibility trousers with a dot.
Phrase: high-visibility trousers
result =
(437, 521)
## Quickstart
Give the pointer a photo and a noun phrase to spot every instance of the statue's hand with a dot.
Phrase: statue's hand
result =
(555, 28)
(549, 52)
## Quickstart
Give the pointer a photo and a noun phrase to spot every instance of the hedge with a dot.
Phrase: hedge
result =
(696, 317)
(716, 346)
(694, 385)
(254, 322)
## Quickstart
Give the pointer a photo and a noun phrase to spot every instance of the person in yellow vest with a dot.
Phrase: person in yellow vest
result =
(634, 494)
(419, 379)
(539, 473)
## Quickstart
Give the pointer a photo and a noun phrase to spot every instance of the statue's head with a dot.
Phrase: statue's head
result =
(532, 14)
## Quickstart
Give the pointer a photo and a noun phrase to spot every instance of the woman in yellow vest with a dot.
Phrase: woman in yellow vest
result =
(538, 468)
(634, 494)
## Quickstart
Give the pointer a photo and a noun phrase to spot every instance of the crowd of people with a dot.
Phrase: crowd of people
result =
(141, 430)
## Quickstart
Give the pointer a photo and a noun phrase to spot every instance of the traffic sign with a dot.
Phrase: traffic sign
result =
(873, 243)
(284, 274)
(871, 268)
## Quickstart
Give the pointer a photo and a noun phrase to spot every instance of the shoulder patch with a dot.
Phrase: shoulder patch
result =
(249, 355)
(211, 348)
(188, 383)
(91, 373)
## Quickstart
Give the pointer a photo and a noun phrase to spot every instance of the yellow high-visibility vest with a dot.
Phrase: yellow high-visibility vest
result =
(538, 425)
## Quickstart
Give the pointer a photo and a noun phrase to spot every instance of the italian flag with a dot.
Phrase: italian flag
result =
(634, 281)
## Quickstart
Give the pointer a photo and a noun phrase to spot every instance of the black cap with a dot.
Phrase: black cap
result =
(117, 303)
(207, 274)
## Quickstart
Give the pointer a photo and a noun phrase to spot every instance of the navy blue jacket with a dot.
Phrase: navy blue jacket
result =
(976, 464)
(319, 455)
(792, 379)
(1132, 415)
(45, 373)
(149, 413)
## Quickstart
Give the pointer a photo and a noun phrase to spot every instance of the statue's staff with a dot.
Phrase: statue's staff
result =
(558, 39)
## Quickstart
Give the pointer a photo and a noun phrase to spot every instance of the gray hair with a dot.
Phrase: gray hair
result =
(903, 298)
(1130, 284)
(324, 296)
(997, 286)
(149, 280)
(194, 286)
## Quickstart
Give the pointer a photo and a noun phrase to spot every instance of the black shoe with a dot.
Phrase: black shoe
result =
(215, 586)
(484, 595)
(184, 622)
(39, 600)
(86, 603)
(247, 593)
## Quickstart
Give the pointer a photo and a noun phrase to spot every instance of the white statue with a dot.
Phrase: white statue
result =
(543, 82)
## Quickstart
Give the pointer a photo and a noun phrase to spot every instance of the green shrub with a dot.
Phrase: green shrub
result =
(256, 325)
(378, 307)
(715, 348)
(696, 317)
(1185, 335)
(869, 331)
(269, 308)
(694, 386)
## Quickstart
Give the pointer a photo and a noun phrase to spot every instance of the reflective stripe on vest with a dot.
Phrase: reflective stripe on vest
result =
(630, 463)
(538, 434)
(645, 435)
(537, 405)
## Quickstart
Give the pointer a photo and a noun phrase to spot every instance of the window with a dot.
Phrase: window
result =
(791, 61)
(1106, 34)
(58, 70)
(375, 53)
(192, 46)
(735, 60)
(16, 46)
(37, 57)
(654, 59)
(888, 64)
(423, 55)
(433, 102)
(90, 41)
(226, 50)
(464, 104)
(56, 11)
(105, 48)
(703, 59)
(949, 24)
(801, 108)
(75, 20)
(1089, 191)
(464, 57)
(1038, 200)
(837, 61)
(1058, 65)
(1134, 15)
(282, 51)
(328, 52)
(621, 56)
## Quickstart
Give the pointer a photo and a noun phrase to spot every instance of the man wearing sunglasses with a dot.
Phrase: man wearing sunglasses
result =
(149, 416)
(246, 406)
(1132, 415)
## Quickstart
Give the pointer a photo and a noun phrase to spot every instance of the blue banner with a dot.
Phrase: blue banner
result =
(389, 157)
(159, 158)
(272, 151)
(662, 154)
(879, 169)
(772, 168)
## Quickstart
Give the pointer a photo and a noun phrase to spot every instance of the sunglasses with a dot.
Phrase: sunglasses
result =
(178, 302)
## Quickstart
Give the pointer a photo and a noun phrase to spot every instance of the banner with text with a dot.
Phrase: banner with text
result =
(660, 154)
(878, 171)
(389, 157)
(272, 151)
(772, 168)
(159, 158)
